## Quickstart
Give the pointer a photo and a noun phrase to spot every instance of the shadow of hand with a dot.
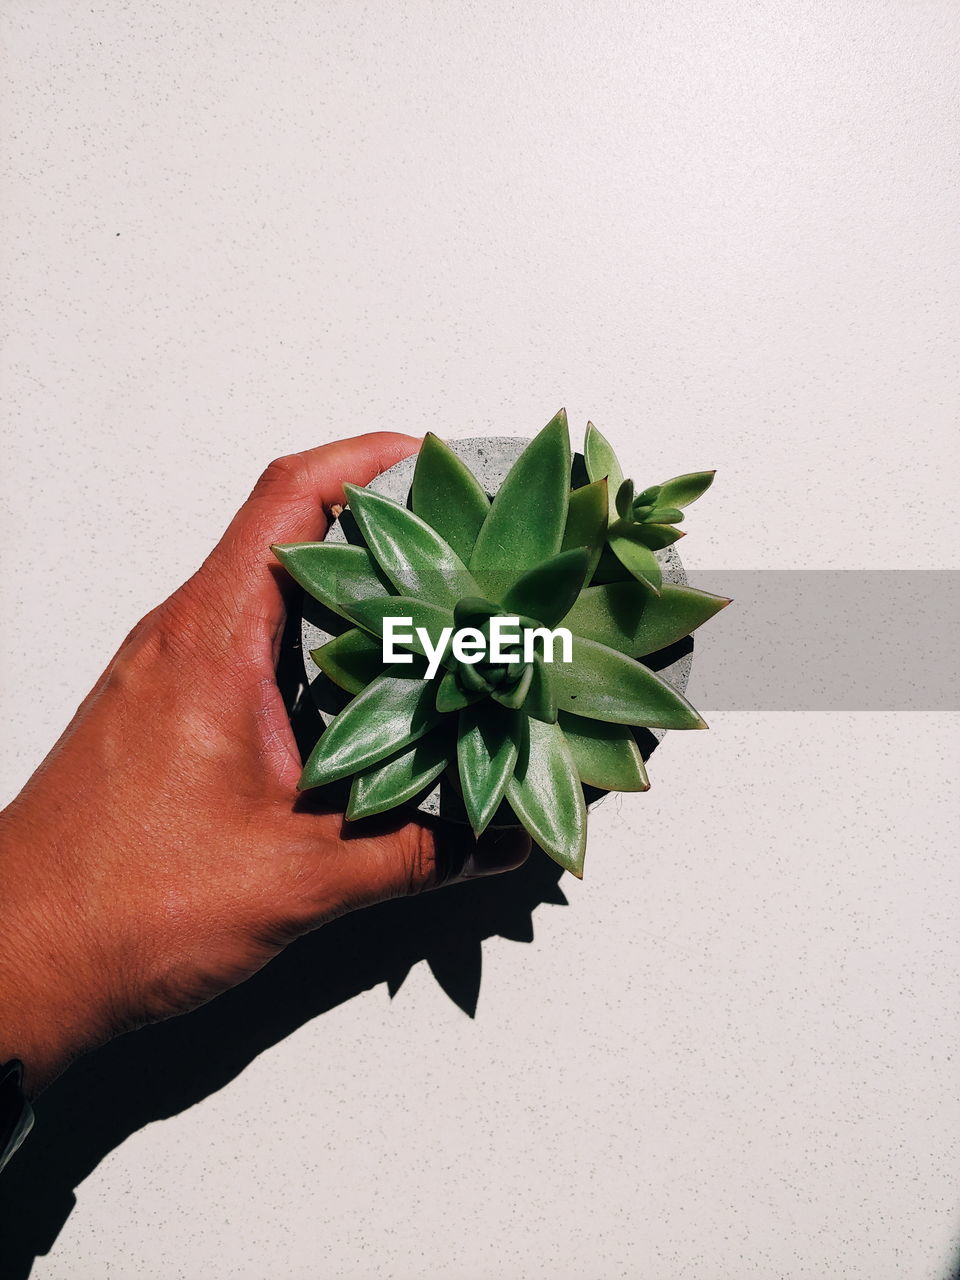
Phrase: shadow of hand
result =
(163, 1069)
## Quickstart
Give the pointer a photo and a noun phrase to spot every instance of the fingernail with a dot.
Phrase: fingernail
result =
(496, 851)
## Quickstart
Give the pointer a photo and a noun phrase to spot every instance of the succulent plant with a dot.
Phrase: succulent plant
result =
(643, 523)
(522, 730)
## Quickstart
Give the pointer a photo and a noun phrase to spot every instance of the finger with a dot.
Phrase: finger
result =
(293, 496)
(375, 859)
(420, 857)
(289, 503)
(491, 855)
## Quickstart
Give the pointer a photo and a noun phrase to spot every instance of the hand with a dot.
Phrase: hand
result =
(157, 857)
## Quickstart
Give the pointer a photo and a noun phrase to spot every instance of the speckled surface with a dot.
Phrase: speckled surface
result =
(726, 233)
(489, 458)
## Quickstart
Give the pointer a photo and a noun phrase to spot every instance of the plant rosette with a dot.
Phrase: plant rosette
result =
(489, 459)
(413, 586)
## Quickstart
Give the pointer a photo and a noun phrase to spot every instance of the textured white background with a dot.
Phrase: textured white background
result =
(729, 234)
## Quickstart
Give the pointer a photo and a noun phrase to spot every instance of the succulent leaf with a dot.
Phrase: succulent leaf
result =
(447, 495)
(474, 611)
(486, 754)
(336, 574)
(433, 618)
(450, 695)
(392, 711)
(549, 591)
(399, 778)
(603, 684)
(515, 696)
(587, 518)
(665, 515)
(526, 520)
(637, 559)
(606, 755)
(682, 490)
(412, 555)
(471, 678)
(541, 702)
(351, 660)
(546, 795)
(628, 617)
(610, 568)
(624, 499)
(654, 536)
(601, 462)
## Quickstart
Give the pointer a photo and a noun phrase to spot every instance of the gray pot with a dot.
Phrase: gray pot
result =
(489, 458)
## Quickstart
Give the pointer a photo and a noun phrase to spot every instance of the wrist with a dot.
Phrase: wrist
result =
(52, 1006)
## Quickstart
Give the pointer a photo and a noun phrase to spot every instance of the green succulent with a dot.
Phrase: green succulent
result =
(643, 523)
(525, 730)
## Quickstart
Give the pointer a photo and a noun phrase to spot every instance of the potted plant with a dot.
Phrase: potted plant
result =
(452, 606)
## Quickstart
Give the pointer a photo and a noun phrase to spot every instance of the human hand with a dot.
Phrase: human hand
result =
(157, 856)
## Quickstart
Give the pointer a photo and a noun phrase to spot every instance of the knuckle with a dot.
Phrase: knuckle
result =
(149, 647)
(419, 859)
(134, 665)
(353, 871)
(282, 473)
(180, 627)
(176, 627)
(141, 628)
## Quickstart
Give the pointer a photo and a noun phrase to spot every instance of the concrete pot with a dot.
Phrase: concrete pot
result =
(489, 458)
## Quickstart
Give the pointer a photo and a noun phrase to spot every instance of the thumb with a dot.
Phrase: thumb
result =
(289, 503)
(457, 856)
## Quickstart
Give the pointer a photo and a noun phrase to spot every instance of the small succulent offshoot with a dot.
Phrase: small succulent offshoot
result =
(643, 523)
(525, 732)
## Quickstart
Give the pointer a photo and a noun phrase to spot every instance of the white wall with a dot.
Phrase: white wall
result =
(728, 234)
